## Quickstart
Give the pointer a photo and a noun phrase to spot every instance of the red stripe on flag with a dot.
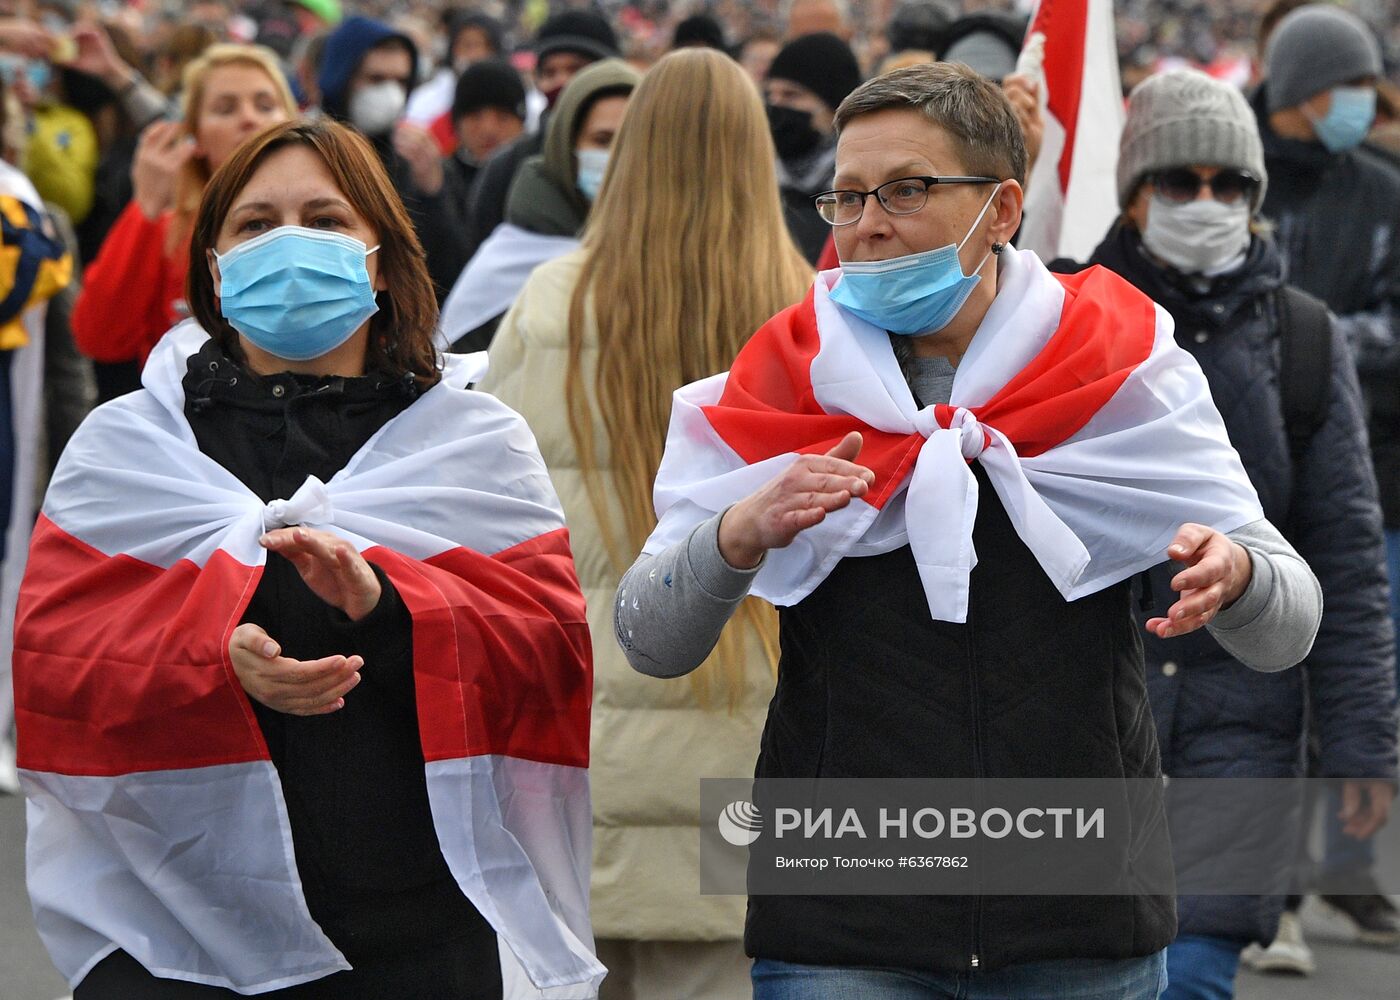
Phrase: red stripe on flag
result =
(502, 654)
(122, 666)
(441, 129)
(768, 406)
(1065, 24)
(1107, 329)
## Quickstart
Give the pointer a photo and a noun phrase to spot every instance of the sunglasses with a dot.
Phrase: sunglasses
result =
(1182, 185)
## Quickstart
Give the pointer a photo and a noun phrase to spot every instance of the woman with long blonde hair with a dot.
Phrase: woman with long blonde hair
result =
(134, 290)
(684, 255)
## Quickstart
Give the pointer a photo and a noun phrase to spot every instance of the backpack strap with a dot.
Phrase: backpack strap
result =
(1305, 367)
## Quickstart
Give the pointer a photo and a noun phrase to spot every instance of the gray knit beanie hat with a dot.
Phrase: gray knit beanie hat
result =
(1316, 48)
(1183, 117)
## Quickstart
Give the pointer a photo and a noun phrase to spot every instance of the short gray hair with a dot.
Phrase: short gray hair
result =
(962, 102)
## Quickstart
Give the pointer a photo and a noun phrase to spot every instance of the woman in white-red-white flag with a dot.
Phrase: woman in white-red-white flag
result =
(302, 666)
(944, 466)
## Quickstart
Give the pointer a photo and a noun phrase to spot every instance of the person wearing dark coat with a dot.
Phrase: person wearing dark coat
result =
(566, 43)
(548, 206)
(1336, 206)
(488, 112)
(367, 71)
(1191, 175)
(807, 81)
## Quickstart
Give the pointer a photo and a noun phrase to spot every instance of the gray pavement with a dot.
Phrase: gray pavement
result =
(1344, 971)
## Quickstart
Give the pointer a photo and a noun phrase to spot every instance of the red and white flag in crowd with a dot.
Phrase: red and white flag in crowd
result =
(156, 818)
(1096, 430)
(1071, 195)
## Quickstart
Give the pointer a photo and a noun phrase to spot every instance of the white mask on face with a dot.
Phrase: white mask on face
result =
(375, 109)
(1199, 237)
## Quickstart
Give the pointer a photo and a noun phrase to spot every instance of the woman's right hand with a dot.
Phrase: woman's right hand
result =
(294, 687)
(810, 488)
(163, 149)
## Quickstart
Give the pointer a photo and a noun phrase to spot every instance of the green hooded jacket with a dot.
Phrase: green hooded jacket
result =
(544, 197)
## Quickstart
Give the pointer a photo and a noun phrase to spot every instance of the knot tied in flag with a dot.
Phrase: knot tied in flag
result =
(310, 504)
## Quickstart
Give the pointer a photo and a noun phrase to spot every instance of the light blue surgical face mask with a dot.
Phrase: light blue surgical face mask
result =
(296, 293)
(592, 165)
(1347, 121)
(915, 294)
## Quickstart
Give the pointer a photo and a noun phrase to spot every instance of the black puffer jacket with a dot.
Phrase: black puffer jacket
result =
(1338, 218)
(869, 686)
(1215, 718)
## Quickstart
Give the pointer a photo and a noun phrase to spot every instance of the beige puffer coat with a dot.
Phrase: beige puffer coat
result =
(652, 741)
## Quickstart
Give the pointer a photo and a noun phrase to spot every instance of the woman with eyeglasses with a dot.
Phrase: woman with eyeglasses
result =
(1190, 179)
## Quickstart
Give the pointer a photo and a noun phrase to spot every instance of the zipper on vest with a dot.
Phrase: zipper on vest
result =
(977, 773)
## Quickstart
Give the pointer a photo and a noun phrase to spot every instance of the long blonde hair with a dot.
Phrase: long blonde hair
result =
(686, 254)
(195, 174)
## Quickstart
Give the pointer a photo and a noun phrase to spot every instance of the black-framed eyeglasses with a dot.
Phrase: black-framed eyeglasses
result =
(901, 196)
(1181, 185)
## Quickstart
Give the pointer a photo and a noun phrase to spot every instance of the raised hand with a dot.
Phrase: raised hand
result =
(802, 496)
(163, 149)
(332, 567)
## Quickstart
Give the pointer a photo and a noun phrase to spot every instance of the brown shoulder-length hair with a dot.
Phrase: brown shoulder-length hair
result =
(401, 333)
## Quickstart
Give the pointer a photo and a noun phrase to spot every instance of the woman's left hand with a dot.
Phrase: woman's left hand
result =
(1217, 572)
(332, 567)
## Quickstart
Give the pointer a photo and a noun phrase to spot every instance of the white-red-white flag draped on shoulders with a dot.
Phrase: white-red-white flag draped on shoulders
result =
(157, 823)
(1096, 430)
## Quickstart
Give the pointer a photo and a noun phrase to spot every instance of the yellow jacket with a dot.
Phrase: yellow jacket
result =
(34, 266)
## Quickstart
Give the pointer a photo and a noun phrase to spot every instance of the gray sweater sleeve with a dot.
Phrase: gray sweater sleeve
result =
(1273, 624)
(672, 606)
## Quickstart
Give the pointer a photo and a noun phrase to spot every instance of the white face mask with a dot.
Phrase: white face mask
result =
(375, 109)
(1199, 237)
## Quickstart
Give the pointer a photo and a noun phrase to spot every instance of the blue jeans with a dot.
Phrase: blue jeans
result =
(1202, 967)
(1069, 979)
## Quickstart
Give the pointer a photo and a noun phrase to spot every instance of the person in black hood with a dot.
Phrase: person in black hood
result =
(566, 43)
(1190, 178)
(807, 81)
(367, 71)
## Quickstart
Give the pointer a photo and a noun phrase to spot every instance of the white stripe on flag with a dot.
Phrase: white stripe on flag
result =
(184, 904)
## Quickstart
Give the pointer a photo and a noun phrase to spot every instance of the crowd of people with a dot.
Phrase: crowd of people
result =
(416, 394)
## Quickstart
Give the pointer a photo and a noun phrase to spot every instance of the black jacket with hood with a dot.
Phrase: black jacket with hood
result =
(370, 864)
